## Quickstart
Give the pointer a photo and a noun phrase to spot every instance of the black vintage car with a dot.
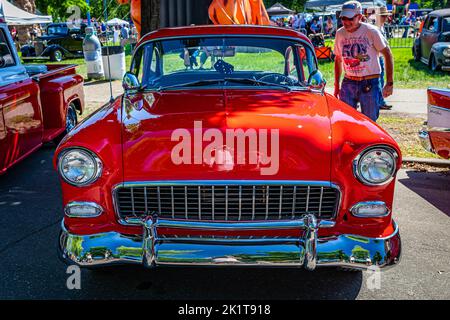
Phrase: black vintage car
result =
(60, 41)
(432, 47)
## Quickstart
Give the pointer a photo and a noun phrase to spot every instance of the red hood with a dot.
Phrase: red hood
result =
(301, 117)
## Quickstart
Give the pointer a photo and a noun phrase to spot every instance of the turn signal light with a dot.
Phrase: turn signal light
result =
(370, 209)
(83, 210)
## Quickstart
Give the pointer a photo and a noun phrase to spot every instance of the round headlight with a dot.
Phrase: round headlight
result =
(446, 52)
(79, 167)
(375, 166)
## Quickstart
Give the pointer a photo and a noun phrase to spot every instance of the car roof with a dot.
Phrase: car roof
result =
(223, 30)
(441, 13)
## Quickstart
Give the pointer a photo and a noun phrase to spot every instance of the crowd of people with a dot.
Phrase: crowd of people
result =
(309, 24)
(328, 24)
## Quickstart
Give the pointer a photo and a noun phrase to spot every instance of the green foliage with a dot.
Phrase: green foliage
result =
(61, 10)
(433, 4)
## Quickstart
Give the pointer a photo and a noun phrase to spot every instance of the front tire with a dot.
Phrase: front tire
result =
(71, 118)
(71, 122)
(56, 55)
(434, 66)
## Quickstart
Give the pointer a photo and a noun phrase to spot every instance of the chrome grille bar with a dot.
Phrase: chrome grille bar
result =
(145, 200)
(236, 201)
(199, 203)
(212, 203)
(320, 201)
(253, 202)
(132, 202)
(294, 200)
(159, 198)
(281, 202)
(240, 202)
(172, 201)
(185, 202)
(307, 200)
(226, 203)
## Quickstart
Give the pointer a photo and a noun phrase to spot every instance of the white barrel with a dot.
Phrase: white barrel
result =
(93, 55)
(116, 62)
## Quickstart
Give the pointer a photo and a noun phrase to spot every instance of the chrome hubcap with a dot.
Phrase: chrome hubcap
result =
(71, 119)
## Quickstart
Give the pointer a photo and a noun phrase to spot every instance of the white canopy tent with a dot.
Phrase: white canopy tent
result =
(116, 22)
(16, 16)
(336, 5)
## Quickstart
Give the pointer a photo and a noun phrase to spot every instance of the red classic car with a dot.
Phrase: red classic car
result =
(219, 156)
(435, 134)
(38, 103)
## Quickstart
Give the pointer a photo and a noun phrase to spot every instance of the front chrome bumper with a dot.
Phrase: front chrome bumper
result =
(308, 250)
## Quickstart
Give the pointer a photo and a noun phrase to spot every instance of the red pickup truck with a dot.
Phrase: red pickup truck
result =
(38, 103)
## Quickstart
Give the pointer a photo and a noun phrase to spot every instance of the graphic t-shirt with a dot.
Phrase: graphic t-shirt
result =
(360, 50)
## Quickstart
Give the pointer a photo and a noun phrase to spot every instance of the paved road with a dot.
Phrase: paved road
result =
(409, 101)
(30, 213)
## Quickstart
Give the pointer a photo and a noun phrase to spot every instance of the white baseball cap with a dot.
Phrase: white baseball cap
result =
(351, 9)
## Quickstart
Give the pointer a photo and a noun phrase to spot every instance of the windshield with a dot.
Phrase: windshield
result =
(57, 30)
(218, 61)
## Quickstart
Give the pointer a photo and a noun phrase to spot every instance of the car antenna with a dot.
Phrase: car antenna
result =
(105, 8)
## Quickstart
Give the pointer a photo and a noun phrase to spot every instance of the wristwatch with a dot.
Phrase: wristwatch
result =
(391, 84)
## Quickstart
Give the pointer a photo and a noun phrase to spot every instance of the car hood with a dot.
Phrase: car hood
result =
(291, 130)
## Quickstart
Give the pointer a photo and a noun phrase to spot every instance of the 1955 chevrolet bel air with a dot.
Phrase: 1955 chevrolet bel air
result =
(225, 150)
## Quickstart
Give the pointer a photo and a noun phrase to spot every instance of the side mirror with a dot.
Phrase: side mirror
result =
(316, 80)
(130, 82)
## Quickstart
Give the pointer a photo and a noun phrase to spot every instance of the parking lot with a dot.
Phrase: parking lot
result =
(31, 212)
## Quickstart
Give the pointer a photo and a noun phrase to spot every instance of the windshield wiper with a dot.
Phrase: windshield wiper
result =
(197, 83)
(257, 82)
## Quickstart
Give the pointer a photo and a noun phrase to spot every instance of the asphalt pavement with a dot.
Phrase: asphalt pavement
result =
(31, 211)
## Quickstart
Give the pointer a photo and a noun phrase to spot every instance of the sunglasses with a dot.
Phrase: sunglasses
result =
(347, 19)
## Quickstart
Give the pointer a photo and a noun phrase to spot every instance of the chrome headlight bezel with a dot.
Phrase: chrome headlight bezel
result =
(98, 166)
(446, 52)
(357, 169)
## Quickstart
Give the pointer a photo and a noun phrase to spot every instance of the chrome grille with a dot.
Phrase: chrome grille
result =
(226, 202)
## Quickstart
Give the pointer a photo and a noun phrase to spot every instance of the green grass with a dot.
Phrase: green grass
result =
(405, 131)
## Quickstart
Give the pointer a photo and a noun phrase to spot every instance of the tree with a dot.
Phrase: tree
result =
(63, 10)
(434, 4)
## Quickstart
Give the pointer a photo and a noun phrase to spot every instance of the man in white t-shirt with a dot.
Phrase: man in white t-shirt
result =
(357, 49)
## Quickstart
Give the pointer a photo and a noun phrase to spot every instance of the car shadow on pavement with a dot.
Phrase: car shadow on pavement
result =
(233, 283)
(434, 187)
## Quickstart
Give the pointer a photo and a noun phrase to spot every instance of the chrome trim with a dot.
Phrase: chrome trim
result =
(425, 140)
(308, 250)
(225, 183)
(82, 203)
(310, 237)
(97, 161)
(355, 163)
(368, 203)
(250, 225)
